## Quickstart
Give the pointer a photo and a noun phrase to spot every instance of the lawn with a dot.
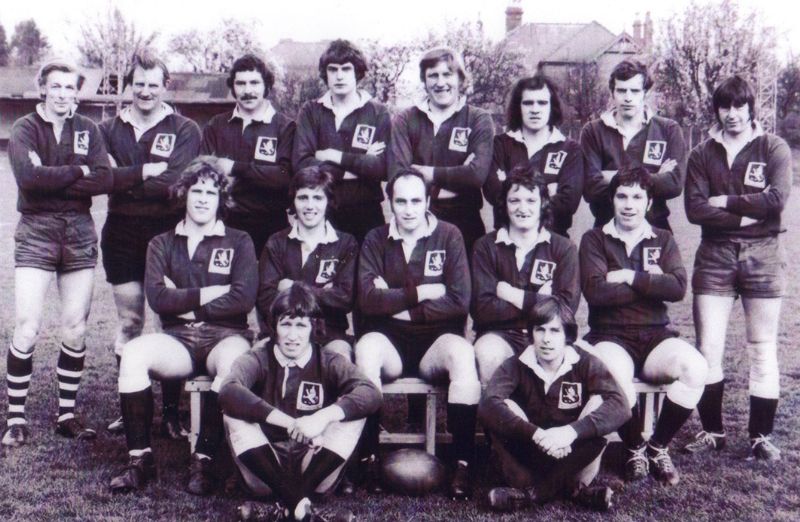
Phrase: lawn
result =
(53, 478)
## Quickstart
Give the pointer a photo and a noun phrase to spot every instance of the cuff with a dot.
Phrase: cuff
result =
(349, 160)
(410, 294)
(641, 282)
(584, 428)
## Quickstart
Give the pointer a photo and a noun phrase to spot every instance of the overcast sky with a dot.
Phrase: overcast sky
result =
(308, 20)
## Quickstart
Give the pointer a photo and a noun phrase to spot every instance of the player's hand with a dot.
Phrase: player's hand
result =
(622, 276)
(209, 293)
(554, 439)
(226, 164)
(430, 291)
(328, 285)
(283, 284)
(308, 427)
(85, 170)
(112, 161)
(151, 170)
(552, 189)
(608, 175)
(505, 290)
(718, 201)
(35, 159)
(469, 159)
(376, 148)
(668, 166)
(380, 283)
(330, 155)
(547, 288)
(426, 171)
(747, 222)
(403, 316)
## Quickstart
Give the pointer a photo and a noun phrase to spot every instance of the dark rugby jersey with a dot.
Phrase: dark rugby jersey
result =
(553, 259)
(175, 140)
(258, 384)
(552, 404)
(560, 160)
(367, 124)
(262, 158)
(329, 272)
(757, 185)
(58, 185)
(659, 140)
(226, 257)
(643, 304)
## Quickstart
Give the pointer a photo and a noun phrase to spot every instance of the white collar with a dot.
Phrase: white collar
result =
(645, 232)
(555, 136)
(425, 106)
(330, 233)
(503, 237)
(327, 99)
(286, 361)
(126, 114)
(41, 112)
(610, 120)
(218, 230)
(265, 116)
(528, 358)
(715, 133)
(429, 217)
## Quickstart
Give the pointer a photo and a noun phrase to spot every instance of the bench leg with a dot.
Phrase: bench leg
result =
(195, 404)
(430, 424)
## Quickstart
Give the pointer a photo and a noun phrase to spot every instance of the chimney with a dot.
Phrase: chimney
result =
(637, 30)
(648, 31)
(513, 16)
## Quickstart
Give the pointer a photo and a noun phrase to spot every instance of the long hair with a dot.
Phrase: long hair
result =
(530, 178)
(533, 83)
(549, 308)
(734, 91)
(200, 168)
(251, 62)
(341, 52)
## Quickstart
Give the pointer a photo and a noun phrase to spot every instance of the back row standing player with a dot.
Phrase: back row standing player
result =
(149, 145)
(59, 162)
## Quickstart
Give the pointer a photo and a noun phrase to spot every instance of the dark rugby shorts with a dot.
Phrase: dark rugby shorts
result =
(56, 241)
(638, 341)
(412, 340)
(750, 267)
(200, 338)
(124, 241)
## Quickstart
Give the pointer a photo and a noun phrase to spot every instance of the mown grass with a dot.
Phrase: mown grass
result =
(57, 479)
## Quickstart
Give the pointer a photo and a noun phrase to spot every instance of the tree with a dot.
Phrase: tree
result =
(583, 95)
(4, 51)
(215, 50)
(293, 89)
(28, 44)
(386, 65)
(788, 104)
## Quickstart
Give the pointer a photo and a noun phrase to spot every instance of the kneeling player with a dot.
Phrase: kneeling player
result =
(544, 411)
(201, 280)
(414, 294)
(514, 267)
(294, 412)
(313, 252)
(629, 270)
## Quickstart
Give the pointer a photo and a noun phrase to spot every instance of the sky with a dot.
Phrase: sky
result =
(309, 20)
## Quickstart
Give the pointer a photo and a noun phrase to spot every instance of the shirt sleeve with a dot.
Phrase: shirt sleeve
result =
(401, 150)
(236, 396)
(357, 396)
(613, 412)
(493, 411)
(493, 186)
(594, 268)
(698, 190)
(671, 284)
(595, 188)
(241, 297)
(30, 177)
(270, 272)
(340, 294)
(570, 184)
(372, 166)
(164, 300)
(668, 185)
(187, 145)
(99, 180)
(305, 140)
(771, 201)
(379, 301)
(473, 174)
(272, 177)
(487, 308)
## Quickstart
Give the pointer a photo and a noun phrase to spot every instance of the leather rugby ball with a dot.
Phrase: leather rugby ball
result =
(412, 472)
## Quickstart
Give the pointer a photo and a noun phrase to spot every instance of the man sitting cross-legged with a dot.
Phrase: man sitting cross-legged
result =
(201, 279)
(548, 410)
(294, 413)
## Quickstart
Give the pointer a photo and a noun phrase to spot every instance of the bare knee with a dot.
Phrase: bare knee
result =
(72, 333)
(26, 334)
(693, 370)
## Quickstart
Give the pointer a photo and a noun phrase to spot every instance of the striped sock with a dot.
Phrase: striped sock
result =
(69, 370)
(18, 379)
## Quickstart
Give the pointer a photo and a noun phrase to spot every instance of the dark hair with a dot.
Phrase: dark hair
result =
(146, 60)
(452, 58)
(629, 176)
(251, 62)
(200, 168)
(627, 69)
(295, 301)
(312, 177)
(533, 83)
(406, 173)
(549, 308)
(734, 91)
(61, 66)
(523, 176)
(341, 52)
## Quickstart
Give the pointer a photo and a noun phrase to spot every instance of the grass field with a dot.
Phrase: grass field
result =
(53, 478)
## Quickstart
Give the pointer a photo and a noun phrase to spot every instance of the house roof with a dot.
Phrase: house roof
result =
(563, 43)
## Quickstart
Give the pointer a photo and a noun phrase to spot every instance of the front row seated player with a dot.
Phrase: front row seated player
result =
(548, 410)
(294, 413)
(413, 290)
(201, 280)
(629, 270)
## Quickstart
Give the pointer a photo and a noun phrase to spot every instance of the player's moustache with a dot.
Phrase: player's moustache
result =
(245, 97)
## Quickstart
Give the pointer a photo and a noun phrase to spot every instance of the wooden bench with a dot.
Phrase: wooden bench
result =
(196, 387)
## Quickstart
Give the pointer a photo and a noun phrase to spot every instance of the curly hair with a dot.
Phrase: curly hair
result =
(533, 180)
(341, 52)
(312, 177)
(251, 62)
(202, 168)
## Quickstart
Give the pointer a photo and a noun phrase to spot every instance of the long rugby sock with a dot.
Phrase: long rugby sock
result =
(762, 416)
(137, 417)
(323, 463)
(461, 420)
(211, 428)
(170, 397)
(263, 463)
(631, 431)
(710, 407)
(69, 371)
(669, 422)
(370, 443)
(18, 379)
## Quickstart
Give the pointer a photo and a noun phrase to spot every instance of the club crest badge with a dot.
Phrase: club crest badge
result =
(654, 151)
(569, 396)
(163, 145)
(80, 145)
(542, 271)
(459, 139)
(434, 262)
(327, 270)
(221, 261)
(652, 255)
(266, 148)
(309, 396)
(555, 160)
(754, 175)
(362, 136)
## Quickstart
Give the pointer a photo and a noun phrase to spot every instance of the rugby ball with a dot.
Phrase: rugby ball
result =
(412, 472)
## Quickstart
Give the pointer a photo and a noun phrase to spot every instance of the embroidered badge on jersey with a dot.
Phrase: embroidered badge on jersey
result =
(327, 269)
(554, 162)
(459, 139)
(309, 396)
(434, 262)
(754, 175)
(163, 145)
(652, 255)
(654, 151)
(362, 136)
(266, 148)
(80, 144)
(569, 397)
(221, 261)
(542, 271)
